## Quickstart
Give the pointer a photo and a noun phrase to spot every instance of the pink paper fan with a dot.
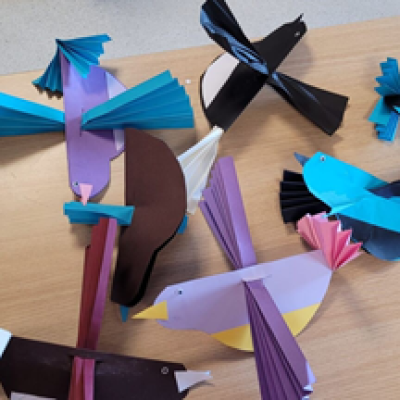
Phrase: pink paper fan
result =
(320, 233)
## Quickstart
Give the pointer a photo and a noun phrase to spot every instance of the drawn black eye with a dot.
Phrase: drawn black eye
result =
(76, 184)
(180, 291)
(322, 158)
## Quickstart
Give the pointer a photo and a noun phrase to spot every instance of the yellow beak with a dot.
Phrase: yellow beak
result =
(158, 311)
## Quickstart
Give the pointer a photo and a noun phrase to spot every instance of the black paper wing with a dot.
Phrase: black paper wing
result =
(295, 198)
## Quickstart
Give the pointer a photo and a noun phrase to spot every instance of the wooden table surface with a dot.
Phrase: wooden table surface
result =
(353, 343)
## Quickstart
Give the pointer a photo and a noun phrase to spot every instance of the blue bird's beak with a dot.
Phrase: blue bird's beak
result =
(301, 159)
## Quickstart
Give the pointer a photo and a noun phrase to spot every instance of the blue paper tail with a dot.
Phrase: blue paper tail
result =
(124, 311)
(388, 132)
(158, 103)
(183, 225)
(82, 53)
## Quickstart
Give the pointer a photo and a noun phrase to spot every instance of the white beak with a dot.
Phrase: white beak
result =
(187, 379)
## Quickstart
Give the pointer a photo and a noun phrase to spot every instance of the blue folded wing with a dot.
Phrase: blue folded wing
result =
(82, 53)
(158, 103)
(91, 213)
(23, 117)
(385, 116)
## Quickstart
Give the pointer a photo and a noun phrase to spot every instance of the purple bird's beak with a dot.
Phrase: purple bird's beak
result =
(86, 190)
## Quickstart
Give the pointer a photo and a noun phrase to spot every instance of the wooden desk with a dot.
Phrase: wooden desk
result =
(353, 344)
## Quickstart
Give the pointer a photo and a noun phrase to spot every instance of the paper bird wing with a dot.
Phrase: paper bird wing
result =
(196, 164)
(283, 371)
(44, 369)
(224, 212)
(295, 198)
(158, 103)
(82, 53)
(22, 117)
(155, 186)
(228, 86)
(323, 108)
(222, 27)
(89, 153)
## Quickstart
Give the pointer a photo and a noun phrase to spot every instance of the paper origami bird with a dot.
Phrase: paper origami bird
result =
(237, 308)
(233, 80)
(36, 370)
(362, 202)
(97, 108)
(386, 112)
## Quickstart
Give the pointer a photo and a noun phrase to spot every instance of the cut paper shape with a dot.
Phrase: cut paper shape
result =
(196, 164)
(386, 113)
(362, 202)
(85, 192)
(82, 53)
(155, 186)
(5, 337)
(158, 103)
(183, 225)
(233, 80)
(158, 311)
(124, 311)
(187, 379)
(258, 306)
(22, 396)
(91, 213)
(23, 117)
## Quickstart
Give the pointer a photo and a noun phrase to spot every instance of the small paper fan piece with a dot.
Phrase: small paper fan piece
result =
(328, 236)
(295, 198)
(387, 111)
(82, 53)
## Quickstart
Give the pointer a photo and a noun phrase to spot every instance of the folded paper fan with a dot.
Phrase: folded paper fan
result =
(386, 112)
(295, 198)
(196, 164)
(23, 117)
(158, 103)
(82, 53)
(328, 236)
(233, 80)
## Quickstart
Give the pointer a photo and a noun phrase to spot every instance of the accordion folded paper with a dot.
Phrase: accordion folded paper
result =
(23, 117)
(232, 80)
(91, 213)
(158, 103)
(155, 186)
(196, 164)
(362, 202)
(82, 53)
(386, 112)
(244, 308)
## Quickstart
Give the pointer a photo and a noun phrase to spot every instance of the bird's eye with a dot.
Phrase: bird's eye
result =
(164, 370)
(76, 184)
(322, 158)
(180, 291)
